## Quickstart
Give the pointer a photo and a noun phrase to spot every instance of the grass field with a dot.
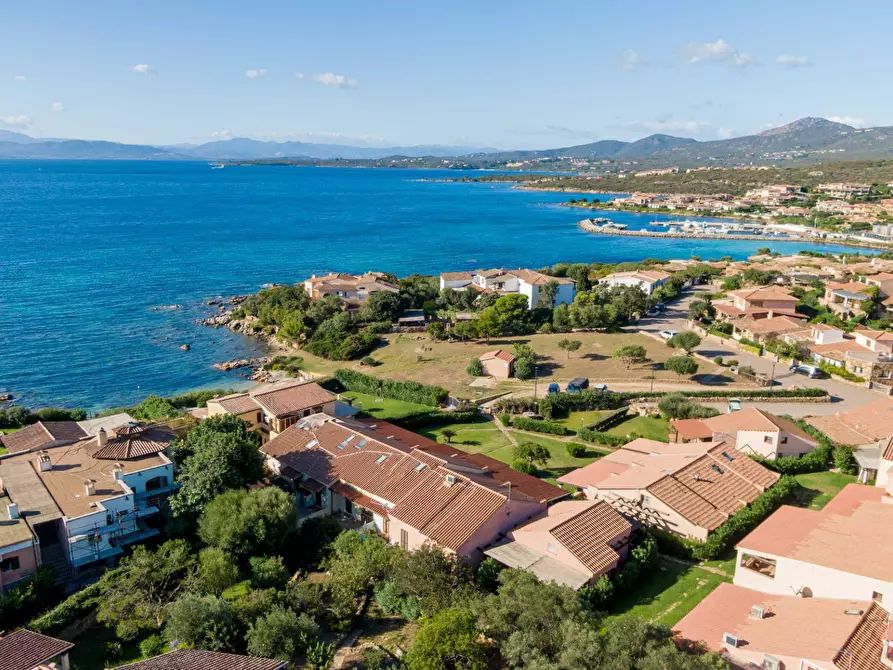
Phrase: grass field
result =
(577, 420)
(646, 426)
(385, 408)
(411, 356)
(560, 461)
(819, 488)
(669, 593)
(479, 437)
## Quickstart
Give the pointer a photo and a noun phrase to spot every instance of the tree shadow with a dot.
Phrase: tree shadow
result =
(803, 497)
(594, 357)
(712, 379)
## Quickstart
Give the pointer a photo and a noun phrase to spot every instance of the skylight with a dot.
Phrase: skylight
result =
(346, 441)
(381, 459)
(311, 444)
(420, 467)
(727, 457)
(716, 467)
(362, 443)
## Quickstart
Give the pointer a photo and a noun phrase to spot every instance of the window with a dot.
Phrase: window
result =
(877, 597)
(784, 440)
(551, 548)
(763, 566)
(767, 439)
(646, 499)
(260, 417)
(11, 563)
(156, 483)
(404, 538)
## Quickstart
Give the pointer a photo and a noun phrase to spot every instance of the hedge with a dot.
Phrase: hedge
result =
(408, 391)
(816, 460)
(434, 418)
(537, 425)
(561, 403)
(601, 438)
(611, 420)
(76, 606)
(735, 527)
(812, 392)
(843, 373)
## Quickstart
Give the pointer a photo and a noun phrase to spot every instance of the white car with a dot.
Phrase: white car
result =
(668, 334)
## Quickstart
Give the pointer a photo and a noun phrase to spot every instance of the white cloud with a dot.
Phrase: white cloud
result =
(630, 60)
(792, 61)
(142, 68)
(20, 77)
(222, 134)
(58, 107)
(329, 79)
(256, 74)
(848, 120)
(18, 122)
(719, 51)
(725, 133)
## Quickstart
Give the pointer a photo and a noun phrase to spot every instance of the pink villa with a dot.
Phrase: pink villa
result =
(758, 303)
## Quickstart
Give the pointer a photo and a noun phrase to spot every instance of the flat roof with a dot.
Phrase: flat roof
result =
(547, 569)
(36, 505)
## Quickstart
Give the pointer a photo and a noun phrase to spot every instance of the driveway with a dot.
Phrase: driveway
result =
(846, 396)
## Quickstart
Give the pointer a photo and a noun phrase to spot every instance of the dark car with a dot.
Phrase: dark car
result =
(810, 371)
(554, 388)
(577, 385)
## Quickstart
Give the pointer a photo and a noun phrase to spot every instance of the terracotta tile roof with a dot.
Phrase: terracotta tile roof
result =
(500, 354)
(237, 403)
(135, 440)
(198, 659)
(24, 650)
(887, 449)
(385, 469)
(39, 434)
(813, 628)
(853, 533)
(456, 276)
(765, 293)
(710, 489)
(851, 286)
(587, 533)
(358, 497)
(537, 278)
(877, 335)
(754, 419)
(777, 324)
(292, 398)
(860, 425)
(836, 350)
(864, 648)
(691, 429)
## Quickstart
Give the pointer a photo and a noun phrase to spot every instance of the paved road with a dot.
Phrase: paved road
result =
(846, 396)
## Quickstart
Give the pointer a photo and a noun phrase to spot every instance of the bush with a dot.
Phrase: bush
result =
(601, 438)
(27, 598)
(154, 645)
(608, 422)
(369, 362)
(717, 360)
(816, 460)
(523, 466)
(434, 418)
(576, 450)
(840, 372)
(539, 426)
(678, 406)
(475, 368)
(844, 461)
(524, 368)
(733, 361)
(77, 605)
(409, 391)
(267, 572)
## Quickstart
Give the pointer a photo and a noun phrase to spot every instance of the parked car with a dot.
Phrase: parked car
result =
(668, 334)
(810, 371)
(554, 388)
(654, 311)
(660, 307)
(531, 415)
(601, 387)
(577, 385)
(734, 405)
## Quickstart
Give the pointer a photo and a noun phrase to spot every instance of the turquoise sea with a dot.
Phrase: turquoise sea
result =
(90, 252)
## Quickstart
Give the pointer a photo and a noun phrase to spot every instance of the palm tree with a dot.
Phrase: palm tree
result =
(448, 434)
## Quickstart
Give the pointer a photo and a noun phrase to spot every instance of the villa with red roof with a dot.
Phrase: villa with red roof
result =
(499, 364)
(505, 282)
(752, 431)
(688, 489)
(647, 280)
(761, 302)
(403, 486)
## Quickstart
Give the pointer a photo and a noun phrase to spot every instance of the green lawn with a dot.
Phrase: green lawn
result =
(385, 408)
(646, 426)
(481, 436)
(560, 461)
(669, 593)
(577, 420)
(237, 590)
(819, 488)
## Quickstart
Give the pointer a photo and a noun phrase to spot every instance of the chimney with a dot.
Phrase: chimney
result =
(118, 472)
(90, 487)
(102, 436)
(44, 464)
(12, 509)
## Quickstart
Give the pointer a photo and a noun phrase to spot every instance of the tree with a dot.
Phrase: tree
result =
(247, 523)
(524, 368)
(382, 306)
(135, 594)
(579, 272)
(683, 366)
(512, 314)
(216, 570)
(532, 453)
(437, 330)
(281, 634)
(698, 309)
(631, 354)
(569, 346)
(434, 578)
(475, 368)
(202, 621)
(465, 330)
(561, 320)
(447, 434)
(488, 324)
(548, 292)
(267, 572)
(447, 641)
(686, 340)
(218, 454)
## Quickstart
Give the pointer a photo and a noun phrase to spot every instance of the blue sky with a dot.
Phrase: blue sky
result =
(521, 74)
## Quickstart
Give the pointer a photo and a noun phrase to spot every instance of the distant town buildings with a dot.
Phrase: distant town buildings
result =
(351, 288)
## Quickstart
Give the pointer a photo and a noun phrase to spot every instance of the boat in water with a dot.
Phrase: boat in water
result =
(217, 166)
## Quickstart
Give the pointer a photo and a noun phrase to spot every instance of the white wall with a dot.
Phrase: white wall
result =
(754, 441)
(791, 576)
(137, 480)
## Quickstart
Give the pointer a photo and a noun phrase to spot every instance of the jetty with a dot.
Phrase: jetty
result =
(690, 233)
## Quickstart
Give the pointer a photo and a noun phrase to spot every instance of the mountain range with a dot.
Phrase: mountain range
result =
(811, 139)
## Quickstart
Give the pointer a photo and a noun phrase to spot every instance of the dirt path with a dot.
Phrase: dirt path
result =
(700, 566)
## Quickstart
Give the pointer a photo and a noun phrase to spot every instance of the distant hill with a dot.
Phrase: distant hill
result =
(16, 138)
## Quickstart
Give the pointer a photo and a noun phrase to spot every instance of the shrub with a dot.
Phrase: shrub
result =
(601, 438)
(840, 372)
(524, 368)
(77, 605)
(408, 391)
(608, 422)
(843, 459)
(154, 645)
(267, 572)
(369, 362)
(27, 598)
(678, 406)
(539, 426)
(682, 365)
(435, 417)
(523, 466)
(576, 450)
(816, 460)
(717, 360)
(475, 368)
(733, 361)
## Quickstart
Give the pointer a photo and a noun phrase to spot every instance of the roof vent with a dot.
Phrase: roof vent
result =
(854, 612)
(449, 480)
(12, 510)
(715, 467)
(731, 640)
(770, 662)
(757, 612)
(102, 437)
(44, 463)
(90, 487)
(697, 476)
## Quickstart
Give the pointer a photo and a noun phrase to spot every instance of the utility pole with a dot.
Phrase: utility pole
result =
(535, 373)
